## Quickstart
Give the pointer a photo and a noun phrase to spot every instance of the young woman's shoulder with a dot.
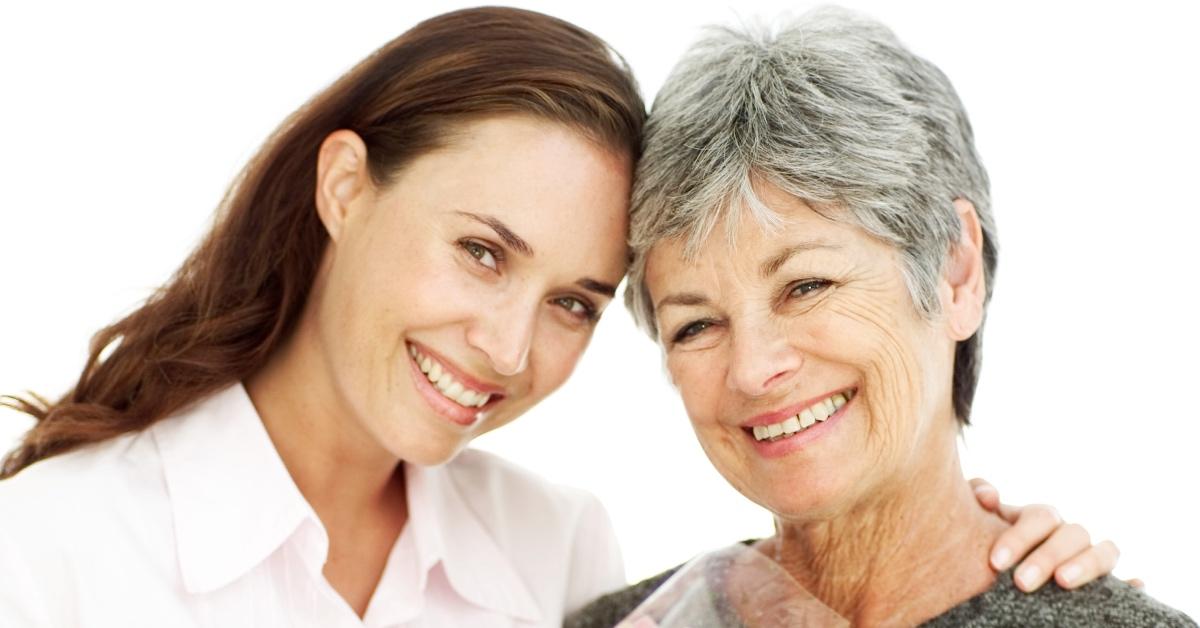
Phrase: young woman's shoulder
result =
(72, 520)
(530, 515)
(81, 495)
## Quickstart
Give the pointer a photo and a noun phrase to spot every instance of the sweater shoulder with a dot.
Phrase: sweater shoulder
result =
(1106, 601)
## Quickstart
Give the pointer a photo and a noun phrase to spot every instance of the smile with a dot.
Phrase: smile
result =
(450, 387)
(818, 412)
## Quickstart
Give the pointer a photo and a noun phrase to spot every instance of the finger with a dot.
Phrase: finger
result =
(1087, 565)
(987, 494)
(1066, 542)
(1031, 526)
(1010, 513)
(1136, 583)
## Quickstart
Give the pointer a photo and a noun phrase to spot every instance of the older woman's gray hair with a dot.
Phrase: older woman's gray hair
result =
(833, 110)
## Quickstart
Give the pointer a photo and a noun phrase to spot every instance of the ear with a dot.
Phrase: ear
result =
(964, 286)
(342, 178)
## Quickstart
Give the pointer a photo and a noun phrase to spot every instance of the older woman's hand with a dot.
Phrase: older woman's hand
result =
(1048, 545)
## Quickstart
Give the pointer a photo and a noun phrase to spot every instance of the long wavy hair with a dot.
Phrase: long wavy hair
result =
(238, 296)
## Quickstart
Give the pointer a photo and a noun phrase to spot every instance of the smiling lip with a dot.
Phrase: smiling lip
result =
(456, 413)
(782, 414)
(798, 440)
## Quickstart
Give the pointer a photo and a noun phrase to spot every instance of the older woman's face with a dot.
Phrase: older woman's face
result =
(809, 376)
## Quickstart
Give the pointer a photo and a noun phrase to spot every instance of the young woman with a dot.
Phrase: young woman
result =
(276, 437)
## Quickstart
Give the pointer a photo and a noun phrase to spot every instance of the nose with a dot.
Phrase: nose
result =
(504, 334)
(761, 358)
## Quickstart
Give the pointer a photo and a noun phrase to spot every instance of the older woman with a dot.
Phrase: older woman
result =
(814, 249)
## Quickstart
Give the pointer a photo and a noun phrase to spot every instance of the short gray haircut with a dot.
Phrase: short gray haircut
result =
(833, 110)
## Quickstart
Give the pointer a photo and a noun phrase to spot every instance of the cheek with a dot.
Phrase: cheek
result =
(377, 297)
(881, 342)
(424, 287)
(555, 354)
(698, 377)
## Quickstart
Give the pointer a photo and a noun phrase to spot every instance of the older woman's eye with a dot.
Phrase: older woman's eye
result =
(808, 286)
(483, 254)
(689, 331)
(576, 308)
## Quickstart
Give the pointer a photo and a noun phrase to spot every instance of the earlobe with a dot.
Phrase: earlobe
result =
(342, 178)
(964, 275)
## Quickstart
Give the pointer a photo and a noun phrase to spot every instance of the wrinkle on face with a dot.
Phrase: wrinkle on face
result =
(862, 330)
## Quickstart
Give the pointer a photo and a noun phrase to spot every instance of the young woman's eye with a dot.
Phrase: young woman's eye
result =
(691, 330)
(482, 254)
(576, 308)
(808, 286)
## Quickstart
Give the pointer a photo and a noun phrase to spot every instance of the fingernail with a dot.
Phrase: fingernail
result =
(1000, 558)
(1028, 576)
(984, 488)
(1070, 574)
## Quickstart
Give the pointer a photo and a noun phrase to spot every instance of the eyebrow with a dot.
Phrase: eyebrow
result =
(517, 242)
(771, 266)
(511, 239)
(600, 287)
(768, 268)
(682, 298)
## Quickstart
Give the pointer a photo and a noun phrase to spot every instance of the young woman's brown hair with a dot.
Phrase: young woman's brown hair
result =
(239, 294)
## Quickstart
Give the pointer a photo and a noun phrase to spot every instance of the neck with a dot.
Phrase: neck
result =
(343, 473)
(918, 548)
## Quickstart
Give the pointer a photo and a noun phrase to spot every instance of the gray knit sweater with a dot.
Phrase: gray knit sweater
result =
(1104, 602)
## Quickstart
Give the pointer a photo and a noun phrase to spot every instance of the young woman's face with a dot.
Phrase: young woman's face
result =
(465, 291)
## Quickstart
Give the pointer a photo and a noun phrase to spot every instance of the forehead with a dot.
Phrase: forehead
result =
(743, 239)
(561, 191)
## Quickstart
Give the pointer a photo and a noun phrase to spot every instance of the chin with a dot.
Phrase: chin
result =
(431, 452)
(807, 501)
(433, 458)
(417, 443)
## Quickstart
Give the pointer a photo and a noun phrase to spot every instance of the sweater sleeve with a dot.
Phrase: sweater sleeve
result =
(607, 610)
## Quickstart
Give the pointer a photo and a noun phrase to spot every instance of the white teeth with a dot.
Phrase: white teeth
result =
(446, 384)
(466, 398)
(817, 412)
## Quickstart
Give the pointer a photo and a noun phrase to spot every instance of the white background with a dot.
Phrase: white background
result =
(120, 127)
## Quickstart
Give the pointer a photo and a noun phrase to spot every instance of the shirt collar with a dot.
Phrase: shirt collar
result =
(232, 499)
(447, 530)
(234, 503)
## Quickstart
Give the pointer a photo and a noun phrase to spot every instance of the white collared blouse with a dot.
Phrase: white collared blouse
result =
(196, 522)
